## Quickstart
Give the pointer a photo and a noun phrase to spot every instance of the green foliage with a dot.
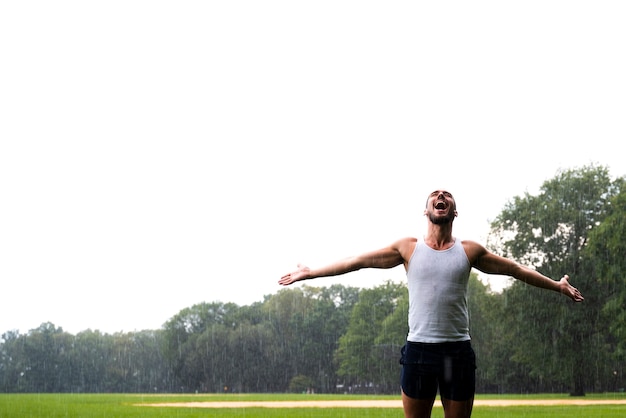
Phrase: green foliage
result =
(307, 323)
(491, 339)
(301, 384)
(50, 360)
(526, 339)
(605, 255)
(361, 354)
(550, 231)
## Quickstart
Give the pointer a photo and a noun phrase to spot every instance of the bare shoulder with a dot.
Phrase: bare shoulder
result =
(473, 250)
(405, 246)
(486, 261)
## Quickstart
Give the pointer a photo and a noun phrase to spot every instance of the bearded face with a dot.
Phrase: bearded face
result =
(441, 219)
(441, 207)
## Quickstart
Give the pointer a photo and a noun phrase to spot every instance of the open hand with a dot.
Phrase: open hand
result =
(569, 290)
(301, 273)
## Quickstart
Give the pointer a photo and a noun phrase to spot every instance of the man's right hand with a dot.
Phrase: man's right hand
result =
(301, 273)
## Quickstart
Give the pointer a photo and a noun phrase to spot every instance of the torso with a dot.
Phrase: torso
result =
(437, 280)
(472, 249)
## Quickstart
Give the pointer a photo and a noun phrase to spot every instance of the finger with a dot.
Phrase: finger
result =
(577, 296)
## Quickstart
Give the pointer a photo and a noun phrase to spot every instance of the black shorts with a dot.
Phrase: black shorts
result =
(451, 367)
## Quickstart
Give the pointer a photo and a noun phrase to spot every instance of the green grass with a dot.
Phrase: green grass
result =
(125, 405)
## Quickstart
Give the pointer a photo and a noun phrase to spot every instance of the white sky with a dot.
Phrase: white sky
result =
(159, 154)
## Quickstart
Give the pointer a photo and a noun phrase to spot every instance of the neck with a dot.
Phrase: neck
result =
(439, 236)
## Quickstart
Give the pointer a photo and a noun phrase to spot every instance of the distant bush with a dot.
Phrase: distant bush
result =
(301, 384)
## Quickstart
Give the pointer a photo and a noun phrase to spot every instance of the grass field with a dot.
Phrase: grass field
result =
(126, 405)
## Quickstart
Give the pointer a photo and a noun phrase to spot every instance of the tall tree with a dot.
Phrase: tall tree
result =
(91, 361)
(605, 258)
(181, 332)
(549, 232)
(307, 323)
(45, 350)
(390, 339)
(359, 357)
(490, 339)
(12, 362)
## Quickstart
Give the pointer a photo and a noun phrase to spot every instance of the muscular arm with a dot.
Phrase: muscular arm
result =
(490, 263)
(385, 258)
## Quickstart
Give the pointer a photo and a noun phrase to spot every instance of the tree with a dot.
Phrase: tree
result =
(301, 384)
(321, 328)
(307, 323)
(45, 351)
(360, 359)
(90, 359)
(549, 232)
(490, 339)
(12, 361)
(605, 256)
(179, 339)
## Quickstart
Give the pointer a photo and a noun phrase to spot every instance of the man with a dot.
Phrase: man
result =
(438, 354)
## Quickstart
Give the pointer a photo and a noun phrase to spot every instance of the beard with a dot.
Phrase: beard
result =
(441, 220)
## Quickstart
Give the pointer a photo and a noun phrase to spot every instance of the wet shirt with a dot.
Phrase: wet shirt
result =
(437, 283)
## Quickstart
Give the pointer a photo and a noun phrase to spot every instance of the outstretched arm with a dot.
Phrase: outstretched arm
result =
(490, 263)
(384, 258)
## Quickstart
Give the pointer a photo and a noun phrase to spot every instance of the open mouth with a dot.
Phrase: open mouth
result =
(440, 205)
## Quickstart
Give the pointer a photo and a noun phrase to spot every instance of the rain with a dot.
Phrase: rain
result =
(162, 165)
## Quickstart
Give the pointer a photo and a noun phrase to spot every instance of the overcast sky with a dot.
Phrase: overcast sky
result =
(159, 154)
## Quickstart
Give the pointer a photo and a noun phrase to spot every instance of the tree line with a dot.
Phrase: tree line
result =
(346, 339)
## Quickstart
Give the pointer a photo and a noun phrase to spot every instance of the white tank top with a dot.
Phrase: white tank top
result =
(437, 282)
